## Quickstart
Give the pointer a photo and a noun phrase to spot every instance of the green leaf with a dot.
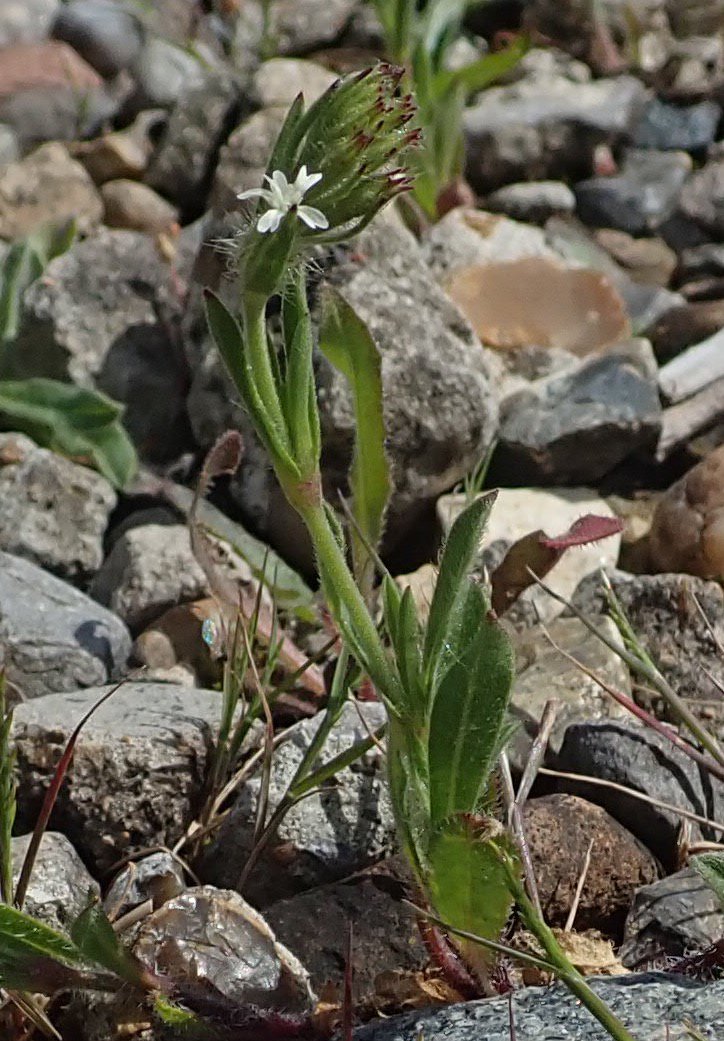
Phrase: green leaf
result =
(469, 713)
(7, 797)
(24, 262)
(73, 421)
(33, 956)
(711, 868)
(486, 70)
(94, 937)
(468, 883)
(451, 590)
(346, 342)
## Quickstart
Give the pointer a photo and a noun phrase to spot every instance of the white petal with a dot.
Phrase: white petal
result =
(312, 217)
(256, 193)
(269, 221)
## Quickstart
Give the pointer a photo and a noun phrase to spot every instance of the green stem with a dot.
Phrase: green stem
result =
(262, 373)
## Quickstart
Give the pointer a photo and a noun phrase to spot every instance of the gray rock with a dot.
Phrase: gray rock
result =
(639, 198)
(575, 428)
(163, 73)
(105, 33)
(533, 201)
(673, 917)
(325, 837)
(277, 82)
(645, 1003)
(645, 761)
(296, 26)
(52, 511)
(665, 126)
(546, 125)
(55, 112)
(157, 877)
(150, 569)
(60, 885)
(465, 236)
(96, 318)
(663, 614)
(53, 637)
(182, 165)
(698, 261)
(9, 146)
(243, 159)
(138, 767)
(26, 21)
(702, 199)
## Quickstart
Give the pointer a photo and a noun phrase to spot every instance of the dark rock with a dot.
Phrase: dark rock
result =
(702, 199)
(150, 569)
(386, 937)
(685, 326)
(182, 165)
(576, 428)
(52, 511)
(106, 34)
(673, 917)
(327, 836)
(138, 768)
(698, 261)
(157, 877)
(558, 829)
(103, 315)
(60, 885)
(533, 201)
(639, 198)
(54, 638)
(665, 126)
(643, 1003)
(645, 761)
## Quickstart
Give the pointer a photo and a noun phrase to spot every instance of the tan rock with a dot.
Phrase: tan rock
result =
(121, 154)
(132, 205)
(687, 534)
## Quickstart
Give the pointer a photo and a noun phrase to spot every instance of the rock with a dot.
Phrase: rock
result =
(643, 1003)
(327, 836)
(54, 638)
(702, 199)
(214, 938)
(639, 198)
(543, 673)
(671, 918)
(106, 34)
(698, 261)
(574, 428)
(128, 204)
(52, 511)
(243, 159)
(694, 17)
(687, 533)
(558, 829)
(686, 326)
(175, 641)
(157, 877)
(641, 759)
(546, 124)
(150, 569)
(565, 308)
(94, 318)
(533, 201)
(465, 237)
(277, 82)
(122, 153)
(26, 21)
(60, 885)
(386, 937)
(9, 146)
(46, 186)
(138, 768)
(296, 26)
(647, 260)
(663, 614)
(182, 164)
(665, 126)
(516, 513)
(695, 68)
(163, 73)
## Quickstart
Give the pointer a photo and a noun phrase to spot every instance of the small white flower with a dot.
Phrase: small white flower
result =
(281, 197)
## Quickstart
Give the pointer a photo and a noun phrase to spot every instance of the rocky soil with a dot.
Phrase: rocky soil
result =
(571, 314)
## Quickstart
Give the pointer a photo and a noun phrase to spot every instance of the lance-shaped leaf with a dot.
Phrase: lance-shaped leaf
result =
(94, 937)
(346, 342)
(33, 956)
(23, 263)
(711, 868)
(468, 722)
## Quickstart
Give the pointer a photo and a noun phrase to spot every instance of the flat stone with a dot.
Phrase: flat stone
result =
(325, 837)
(558, 829)
(138, 767)
(533, 201)
(106, 34)
(128, 204)
(52, 511)
(639, 198)
(671, 918)
(60, 886)
(46, 186)
(576, 427)
(53, 637)
(516, 513)
(643, 1003)
(150, 569)
(666, 126)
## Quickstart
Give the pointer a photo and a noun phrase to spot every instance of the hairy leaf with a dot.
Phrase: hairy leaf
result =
(23, 263)
(94, 937)
(711, 868)
(33, 956)
(82, 424)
